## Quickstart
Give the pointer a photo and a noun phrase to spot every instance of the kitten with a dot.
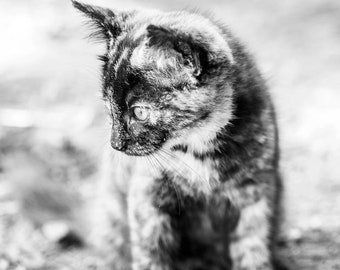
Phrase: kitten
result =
(198, 186)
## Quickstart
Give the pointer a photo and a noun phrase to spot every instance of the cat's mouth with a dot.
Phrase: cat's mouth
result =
(143, 146)
(138, 150)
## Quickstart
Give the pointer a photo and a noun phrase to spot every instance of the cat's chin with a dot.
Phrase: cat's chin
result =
(138, 152)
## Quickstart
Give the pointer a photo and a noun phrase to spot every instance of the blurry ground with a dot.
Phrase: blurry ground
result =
(52, 128)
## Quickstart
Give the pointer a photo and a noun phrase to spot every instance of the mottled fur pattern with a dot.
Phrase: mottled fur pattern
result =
(198, 186)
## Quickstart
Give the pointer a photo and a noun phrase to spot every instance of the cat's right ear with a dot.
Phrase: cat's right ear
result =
(107, 23)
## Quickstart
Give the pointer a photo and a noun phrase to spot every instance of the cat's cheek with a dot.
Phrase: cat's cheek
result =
(155, 117)
(166, 117)
(135, 129)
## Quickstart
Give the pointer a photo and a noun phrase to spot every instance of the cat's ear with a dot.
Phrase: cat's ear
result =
(191, 56)
(107, 23)
(197, 51)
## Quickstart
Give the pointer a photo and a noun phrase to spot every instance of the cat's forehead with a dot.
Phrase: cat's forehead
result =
(134, 58)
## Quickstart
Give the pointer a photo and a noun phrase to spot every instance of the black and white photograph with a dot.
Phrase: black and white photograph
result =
(169, 135)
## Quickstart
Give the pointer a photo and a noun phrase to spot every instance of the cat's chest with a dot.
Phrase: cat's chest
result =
(200, 223)
(184, 199)
(190, 173)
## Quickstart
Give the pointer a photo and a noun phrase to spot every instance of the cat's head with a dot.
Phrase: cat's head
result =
(165, 78)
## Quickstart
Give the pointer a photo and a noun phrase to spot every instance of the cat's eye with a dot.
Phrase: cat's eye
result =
(141, 113)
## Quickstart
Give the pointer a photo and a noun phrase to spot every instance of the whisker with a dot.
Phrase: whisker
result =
(204, 180)
(152, 164)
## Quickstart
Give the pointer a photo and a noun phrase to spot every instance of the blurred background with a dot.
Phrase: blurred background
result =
(53, 129)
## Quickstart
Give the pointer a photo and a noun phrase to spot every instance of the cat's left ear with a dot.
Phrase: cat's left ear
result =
(199, 51)
(191, 56)
(108, 24)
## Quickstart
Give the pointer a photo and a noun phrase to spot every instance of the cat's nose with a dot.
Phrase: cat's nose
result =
(118, 145)
(117, 141)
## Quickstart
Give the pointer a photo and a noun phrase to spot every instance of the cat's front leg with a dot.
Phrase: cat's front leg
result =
(249, 248)
(109, 233)
(148, 252)
(152, 237)
(251, 242)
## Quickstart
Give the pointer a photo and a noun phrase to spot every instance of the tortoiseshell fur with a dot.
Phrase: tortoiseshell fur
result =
(197, 183)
